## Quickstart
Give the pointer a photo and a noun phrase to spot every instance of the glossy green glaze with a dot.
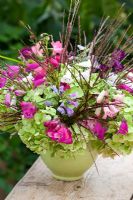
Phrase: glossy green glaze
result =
(70, 169)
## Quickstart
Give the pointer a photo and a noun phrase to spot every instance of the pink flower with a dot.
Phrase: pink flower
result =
(101, 96)
(26, 52)
(13, 71)
(36, 49)
(58, 132)
(57, 47)
(130, 76)
(125, 87)
(110, 111)
(123, 129)
(19, 93)
(7, 100)
(64, 86)
(28, 109)
(38, 80)
(54, 62)
(2, 82)
(99, 130)
(40, 72)
(89, 124)
(32, 66)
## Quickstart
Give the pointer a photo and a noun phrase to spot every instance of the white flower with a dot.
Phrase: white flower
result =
(86, 64)
(67, 78)
(112, 78)
(81, 48)
(28, 78)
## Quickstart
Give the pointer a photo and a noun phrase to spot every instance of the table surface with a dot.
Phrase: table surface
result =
(114, 182)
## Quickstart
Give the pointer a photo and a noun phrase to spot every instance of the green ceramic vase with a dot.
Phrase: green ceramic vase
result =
(70, 169)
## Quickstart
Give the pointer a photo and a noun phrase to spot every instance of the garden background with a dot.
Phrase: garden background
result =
(42, 16)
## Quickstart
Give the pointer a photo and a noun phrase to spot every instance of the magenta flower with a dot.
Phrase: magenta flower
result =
(99, 131)
(123, 129)
(118, 55)
(7, 100)
(26, 52)
(58, 132)
(57, 47)
(54, 62)
(19, 93)
(32, 66)
(125, 87)
(28, 109)
(64, 86)
(37, 81)
(13, 71)
(2, 82)
(40, 72)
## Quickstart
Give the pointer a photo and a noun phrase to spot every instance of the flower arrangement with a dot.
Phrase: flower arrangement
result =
(63, 97)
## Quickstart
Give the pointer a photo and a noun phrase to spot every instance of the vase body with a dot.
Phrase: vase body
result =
(69, 169)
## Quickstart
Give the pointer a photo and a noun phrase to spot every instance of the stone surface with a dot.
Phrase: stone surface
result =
(114, 182)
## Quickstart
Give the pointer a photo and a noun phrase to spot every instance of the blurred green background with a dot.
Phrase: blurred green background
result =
(42, 16)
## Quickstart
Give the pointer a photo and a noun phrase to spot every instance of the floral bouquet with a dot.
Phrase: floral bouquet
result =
(63, 97)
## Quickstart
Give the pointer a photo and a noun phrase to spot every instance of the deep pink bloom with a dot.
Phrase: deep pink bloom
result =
(40, 72)
(32, 66)
(2, 82)
(57, 47)
(58, 132)
(28, 109)
(26, 52)
(37, 50)
(38, 80)
(19, 93)
(125, 87)
(99, 130)
(54, 62)
(13, 71)
(123, 129)
(64, 86)
(7, 100)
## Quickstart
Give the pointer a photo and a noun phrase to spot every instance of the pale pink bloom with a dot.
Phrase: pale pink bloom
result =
(19, 93)
(98, 111)
(57, 47)
(108, 113)
(130, 76)
(114, 109)
(7, 100)
(37, 50)
(89, 124)
(101, 96)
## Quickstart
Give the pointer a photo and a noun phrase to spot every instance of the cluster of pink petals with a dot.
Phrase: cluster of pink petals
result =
(28, 109)
(37, 50)
(57, 47)
(12, 71)
(64, 86)
(99, 130)
(123, 129)
(32, 66)
(58, 132)
(19, 93)
(95, 127)
(7, 100)
(2, 82)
